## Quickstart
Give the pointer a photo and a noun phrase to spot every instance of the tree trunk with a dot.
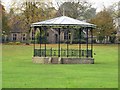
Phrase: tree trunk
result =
(28, 37)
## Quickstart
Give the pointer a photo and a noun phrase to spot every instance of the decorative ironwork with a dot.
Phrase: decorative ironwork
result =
(63, 53)
(68, 52)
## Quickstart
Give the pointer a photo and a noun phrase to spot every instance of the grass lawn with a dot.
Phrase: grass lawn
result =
(20, 72)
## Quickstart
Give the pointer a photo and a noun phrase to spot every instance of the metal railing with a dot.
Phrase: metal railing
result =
(63, 53)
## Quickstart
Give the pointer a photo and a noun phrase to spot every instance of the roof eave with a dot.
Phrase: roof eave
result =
(81, 25)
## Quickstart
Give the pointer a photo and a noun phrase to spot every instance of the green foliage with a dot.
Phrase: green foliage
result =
(10, 43)
(27, 13)
(17, 43)
(105, 25)
(4, 20)
(101, 38)
(43, 37)
(13, 43)
(32, 41)
(76, 41)
(112, 38)
(79, 10)
(18, 71)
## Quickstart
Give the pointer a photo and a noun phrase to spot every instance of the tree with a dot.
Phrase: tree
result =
(105, 25)
(39, 11)
(114, 9)
(4, 20)
(31, 12)
(77, 10)
(4, 28)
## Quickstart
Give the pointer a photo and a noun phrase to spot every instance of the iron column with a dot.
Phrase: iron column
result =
(91, 42)
(34, 40)
(80, 42)
(59, 43)
(45, 40)
(67, 42)
(87, 41)
(40, 39)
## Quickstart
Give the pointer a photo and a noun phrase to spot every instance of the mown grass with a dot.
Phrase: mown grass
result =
(20, 72)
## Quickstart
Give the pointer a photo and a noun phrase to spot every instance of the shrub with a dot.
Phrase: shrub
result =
(13, 43)
(32, 41)
(76, 41)
(10, 43)
(17, 43)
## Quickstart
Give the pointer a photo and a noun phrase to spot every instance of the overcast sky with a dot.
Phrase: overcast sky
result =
(98, 4)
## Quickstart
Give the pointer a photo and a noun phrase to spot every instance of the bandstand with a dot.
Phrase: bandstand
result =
(44, 54)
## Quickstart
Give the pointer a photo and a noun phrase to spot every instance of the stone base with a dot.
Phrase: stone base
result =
(62, 60)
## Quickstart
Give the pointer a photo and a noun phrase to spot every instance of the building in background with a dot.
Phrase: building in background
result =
(17, 35)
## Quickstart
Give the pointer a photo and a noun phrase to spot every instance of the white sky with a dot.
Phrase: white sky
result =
(99, 4)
